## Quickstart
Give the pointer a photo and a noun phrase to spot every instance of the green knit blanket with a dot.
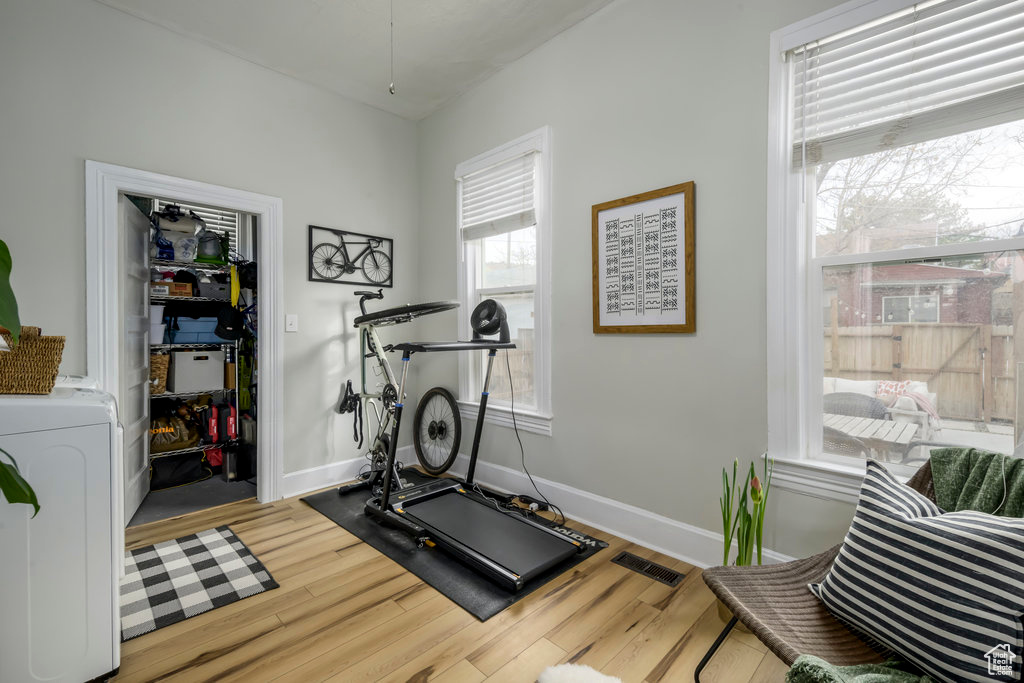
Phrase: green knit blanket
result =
(969, 479)
(811, 669)
(964, 479)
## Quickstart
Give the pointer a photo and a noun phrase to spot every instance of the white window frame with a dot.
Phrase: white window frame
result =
(795, 366)
(539, 419)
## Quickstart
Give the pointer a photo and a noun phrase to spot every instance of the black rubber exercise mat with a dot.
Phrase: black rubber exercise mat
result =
(474, 593)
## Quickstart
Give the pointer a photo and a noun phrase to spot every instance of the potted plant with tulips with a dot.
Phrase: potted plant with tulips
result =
(743, 506)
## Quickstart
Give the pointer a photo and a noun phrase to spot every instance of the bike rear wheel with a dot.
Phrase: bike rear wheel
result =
(437, 430)
(327, 261)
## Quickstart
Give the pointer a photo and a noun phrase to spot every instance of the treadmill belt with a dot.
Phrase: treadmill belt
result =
(504, 539)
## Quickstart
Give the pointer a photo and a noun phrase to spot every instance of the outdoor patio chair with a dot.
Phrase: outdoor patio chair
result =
(855, 405)
(773, 601)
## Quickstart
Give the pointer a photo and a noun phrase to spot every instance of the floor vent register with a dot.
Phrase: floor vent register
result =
(667, 576)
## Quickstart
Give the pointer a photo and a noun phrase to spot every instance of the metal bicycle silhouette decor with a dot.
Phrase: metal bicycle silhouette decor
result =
(349, 258)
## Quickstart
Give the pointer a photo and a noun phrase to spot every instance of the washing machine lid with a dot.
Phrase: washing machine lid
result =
(63, 407)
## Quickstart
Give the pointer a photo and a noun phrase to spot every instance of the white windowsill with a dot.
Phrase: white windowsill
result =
(526, 420)
(818, 478)
(821, 478)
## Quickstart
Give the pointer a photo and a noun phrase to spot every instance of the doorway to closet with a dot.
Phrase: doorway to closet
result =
(126, 275)
(189, 302)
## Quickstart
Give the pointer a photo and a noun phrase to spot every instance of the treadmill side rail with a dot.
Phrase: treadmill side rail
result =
(372, 508)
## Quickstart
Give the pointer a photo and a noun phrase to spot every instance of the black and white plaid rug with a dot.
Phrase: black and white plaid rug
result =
(174, 580)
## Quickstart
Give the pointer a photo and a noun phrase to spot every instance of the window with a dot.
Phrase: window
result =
(910, 309)
(896, 212)
(504, 238)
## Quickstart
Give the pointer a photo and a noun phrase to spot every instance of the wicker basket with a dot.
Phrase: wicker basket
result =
(31, 368)
(158, 365)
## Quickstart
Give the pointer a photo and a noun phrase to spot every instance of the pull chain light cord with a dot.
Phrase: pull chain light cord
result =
(391, 87)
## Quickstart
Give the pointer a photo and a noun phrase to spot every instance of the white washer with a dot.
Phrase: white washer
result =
(59, 619)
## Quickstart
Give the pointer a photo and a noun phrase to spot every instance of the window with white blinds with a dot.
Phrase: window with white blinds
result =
(895, 223)
(935, 68)
(220, 220)
(503, 236)
(499, 199)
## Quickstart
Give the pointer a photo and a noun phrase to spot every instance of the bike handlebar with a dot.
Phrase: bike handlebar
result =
(364, 296)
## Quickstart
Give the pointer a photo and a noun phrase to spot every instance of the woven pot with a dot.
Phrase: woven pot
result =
(31, 368)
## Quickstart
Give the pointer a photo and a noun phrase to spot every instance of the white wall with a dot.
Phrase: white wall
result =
(645, 94)
(79, 81)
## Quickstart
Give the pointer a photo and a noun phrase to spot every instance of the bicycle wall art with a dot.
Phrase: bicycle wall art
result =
(349, 258)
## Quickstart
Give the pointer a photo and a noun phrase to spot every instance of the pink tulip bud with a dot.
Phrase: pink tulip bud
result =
(755, 490)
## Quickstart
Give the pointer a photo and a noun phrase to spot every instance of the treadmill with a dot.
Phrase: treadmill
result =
(505, 546)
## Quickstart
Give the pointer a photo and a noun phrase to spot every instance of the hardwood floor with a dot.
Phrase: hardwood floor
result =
(344, 612)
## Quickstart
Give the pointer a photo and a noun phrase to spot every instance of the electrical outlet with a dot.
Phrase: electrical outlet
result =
(291, 322)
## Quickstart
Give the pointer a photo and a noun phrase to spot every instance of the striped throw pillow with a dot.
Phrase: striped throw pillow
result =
(943, 590)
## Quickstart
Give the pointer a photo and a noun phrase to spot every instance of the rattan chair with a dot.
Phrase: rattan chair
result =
(773, 601)
(838, 443)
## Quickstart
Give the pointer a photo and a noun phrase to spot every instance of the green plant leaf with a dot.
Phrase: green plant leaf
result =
(726, 504)
(13, 485)
(8, 304)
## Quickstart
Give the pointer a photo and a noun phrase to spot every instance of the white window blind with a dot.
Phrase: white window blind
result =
(220, 220)
(499, 199)
(936, 68)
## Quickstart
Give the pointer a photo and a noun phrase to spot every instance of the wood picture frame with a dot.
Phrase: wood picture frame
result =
(644, 263)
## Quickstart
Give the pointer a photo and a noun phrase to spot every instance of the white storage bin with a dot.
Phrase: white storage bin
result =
(156, 333)
(196, 371)
(156, 313)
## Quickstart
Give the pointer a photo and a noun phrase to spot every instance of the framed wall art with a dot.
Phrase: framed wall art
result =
(643, 250)
(349, 258)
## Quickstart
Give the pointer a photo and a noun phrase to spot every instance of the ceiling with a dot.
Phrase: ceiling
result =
(442, 47)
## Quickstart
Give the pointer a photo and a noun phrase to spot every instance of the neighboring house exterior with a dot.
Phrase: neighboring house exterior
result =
(890, 294)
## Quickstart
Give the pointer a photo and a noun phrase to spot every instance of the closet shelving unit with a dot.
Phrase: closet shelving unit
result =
(161, 347)
(194, 449)
(165, 299)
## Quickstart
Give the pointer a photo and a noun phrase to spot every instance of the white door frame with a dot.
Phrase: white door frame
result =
(103, 183)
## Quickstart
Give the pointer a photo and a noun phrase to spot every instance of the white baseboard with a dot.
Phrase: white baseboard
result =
(332, 474)
(692, 544)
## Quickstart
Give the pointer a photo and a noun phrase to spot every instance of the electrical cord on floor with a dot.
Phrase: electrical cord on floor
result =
(507, 506)
(492, 501)
(522, 451)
